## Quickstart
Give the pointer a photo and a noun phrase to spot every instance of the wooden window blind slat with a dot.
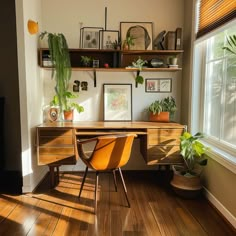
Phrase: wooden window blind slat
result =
(214, 13)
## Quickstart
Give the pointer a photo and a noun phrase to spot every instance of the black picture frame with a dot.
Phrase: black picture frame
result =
(117, 102)
(89, 37)
(142, 33)
(107, 38)
(159, 85)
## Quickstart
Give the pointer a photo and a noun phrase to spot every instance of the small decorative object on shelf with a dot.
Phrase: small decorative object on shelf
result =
(95, 63)
(47, 61)
(155, 62)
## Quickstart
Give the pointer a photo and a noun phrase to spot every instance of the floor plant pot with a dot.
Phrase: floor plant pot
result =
(161, 117)
(186, 186)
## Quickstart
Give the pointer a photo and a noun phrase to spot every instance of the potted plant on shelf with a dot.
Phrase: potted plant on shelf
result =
(86, 61)
(139, 63)
(61, 65)
(162, 110)
(128, 42)
(69, 105)
(186, 179)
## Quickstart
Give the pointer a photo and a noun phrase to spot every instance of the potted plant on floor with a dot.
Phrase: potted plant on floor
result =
(69, 105)
(186, 179)
(162, 110)
(61, 65)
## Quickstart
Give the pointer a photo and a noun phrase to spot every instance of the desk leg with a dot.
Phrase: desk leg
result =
(54, 176)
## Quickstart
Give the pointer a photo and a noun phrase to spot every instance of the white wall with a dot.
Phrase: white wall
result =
(67, 16)
(31, 90)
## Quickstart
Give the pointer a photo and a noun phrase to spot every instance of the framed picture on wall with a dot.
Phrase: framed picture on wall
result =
(117, 102)
(141, 32)
(158, 85)
(108, 38)
(89, 37)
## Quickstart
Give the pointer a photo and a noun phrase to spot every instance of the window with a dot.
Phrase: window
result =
(218, 90)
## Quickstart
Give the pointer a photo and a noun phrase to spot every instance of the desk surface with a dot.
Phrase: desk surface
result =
(111, 125)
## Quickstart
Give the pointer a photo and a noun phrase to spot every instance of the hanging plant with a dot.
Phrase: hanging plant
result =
(139, 63)
(61, 65)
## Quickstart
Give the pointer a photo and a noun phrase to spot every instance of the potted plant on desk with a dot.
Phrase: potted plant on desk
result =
(186, 179)
(162, 110)
(69, 105)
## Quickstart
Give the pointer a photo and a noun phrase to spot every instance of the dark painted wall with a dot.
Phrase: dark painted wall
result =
(9, 88)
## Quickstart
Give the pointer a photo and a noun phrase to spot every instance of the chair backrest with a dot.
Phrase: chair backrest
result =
(110, 152)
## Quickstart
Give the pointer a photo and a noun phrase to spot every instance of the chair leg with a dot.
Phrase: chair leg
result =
(96, 189)
(124, 187)
(82, 185)
(114, 177)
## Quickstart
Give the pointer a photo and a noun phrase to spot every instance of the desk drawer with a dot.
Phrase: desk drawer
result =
(164, 136)
(56, 146)
(53, 140)
(163, 155)
(55, 132)
(57, 150)
(57, 159)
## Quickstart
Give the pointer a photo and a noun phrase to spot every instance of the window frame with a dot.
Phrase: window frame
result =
(218, 148)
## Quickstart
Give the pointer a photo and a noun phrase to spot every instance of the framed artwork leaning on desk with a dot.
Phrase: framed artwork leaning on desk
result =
(117, 102)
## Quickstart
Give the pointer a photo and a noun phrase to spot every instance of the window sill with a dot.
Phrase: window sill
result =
(225, 159)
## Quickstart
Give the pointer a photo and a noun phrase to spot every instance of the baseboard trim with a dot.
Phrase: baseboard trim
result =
(221, 208)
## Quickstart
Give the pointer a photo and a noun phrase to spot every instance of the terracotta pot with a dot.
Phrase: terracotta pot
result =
(69, 115)
(125, 46)
(162, 117)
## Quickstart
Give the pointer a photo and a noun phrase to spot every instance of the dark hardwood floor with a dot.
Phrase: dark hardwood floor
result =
(155, 209)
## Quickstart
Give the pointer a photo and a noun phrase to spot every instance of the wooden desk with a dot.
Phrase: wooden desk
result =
(56, 142)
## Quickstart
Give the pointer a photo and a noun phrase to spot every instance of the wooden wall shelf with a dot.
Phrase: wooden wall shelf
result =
(118, 60)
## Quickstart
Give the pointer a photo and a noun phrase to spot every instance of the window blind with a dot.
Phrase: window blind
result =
(214, 13)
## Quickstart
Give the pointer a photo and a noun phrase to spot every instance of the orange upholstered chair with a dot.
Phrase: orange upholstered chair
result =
(110, 153)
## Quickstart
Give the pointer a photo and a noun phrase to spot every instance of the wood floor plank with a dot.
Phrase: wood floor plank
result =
(207, 217)
(155, 209)
(6, 208)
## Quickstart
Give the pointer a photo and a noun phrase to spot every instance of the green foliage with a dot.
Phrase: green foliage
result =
(86, 61)
(166, 104)
(231, 47)
(192, 151)
(70, 104)
(60, 57)
(139, 63)
(129, 40)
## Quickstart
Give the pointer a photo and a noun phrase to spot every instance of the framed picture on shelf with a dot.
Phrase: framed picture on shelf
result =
(158, 85)
(141, 32)
(117, 102)
(108, 38)
(89, 37)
